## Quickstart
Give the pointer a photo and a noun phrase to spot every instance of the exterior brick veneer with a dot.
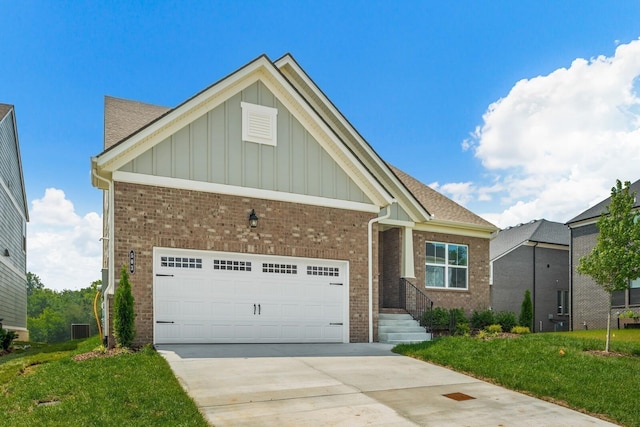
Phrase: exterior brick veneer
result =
(588, 300)
(148, 216)
(477, 296)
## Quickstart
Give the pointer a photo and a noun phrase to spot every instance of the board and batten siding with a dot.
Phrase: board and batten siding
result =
(13, 294)
(211, 149)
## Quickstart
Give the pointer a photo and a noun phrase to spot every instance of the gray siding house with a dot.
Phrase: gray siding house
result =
(13, 228)
(533, 256)
(589, 308)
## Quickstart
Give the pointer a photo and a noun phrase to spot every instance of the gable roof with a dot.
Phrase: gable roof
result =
(594, 212)
(5, 110)
(438, 205)
(536, 231)
(131, 126)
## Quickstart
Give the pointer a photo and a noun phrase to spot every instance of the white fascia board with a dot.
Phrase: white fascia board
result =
(287, 60)
(584, 222)
(232, 190)
(398, 223)
(456, 228)
(179, 117)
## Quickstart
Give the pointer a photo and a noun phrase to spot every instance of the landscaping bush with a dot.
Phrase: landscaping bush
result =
(6, 339)
(462, 329)
(123, 314)
(494, 329)
(520, 330)
(438, 318)
(526, 311)
(482, 319)
(507, 319)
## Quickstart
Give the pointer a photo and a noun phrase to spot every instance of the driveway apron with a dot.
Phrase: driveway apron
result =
(347, 385)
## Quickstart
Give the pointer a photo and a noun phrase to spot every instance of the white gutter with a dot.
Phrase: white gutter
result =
(370, 253)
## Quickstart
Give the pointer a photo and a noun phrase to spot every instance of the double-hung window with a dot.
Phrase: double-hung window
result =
(447, 265)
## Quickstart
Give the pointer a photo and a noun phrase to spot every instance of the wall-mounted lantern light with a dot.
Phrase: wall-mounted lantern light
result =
(253, 219)
(6, 252)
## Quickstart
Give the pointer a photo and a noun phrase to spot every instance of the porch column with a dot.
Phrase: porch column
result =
(408, 270)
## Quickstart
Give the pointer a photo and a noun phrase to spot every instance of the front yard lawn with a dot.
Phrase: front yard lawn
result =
(44, 386)
(560, 367)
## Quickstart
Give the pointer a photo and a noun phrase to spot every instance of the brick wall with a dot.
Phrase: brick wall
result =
(476, 297)
(589, 302)
(147, 216)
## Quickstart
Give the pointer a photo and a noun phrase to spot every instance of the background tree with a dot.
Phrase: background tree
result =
(123, 314)
(33, 283)
(526, 311)
(50, 313)
(615, 260)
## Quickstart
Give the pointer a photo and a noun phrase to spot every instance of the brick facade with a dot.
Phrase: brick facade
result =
(147, 216)
(476, 297)
(588, 300)
(390, 260)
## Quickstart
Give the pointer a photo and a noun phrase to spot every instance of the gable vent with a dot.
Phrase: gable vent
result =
(259, 123)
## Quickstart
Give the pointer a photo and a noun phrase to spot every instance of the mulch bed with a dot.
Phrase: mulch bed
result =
(110, 352)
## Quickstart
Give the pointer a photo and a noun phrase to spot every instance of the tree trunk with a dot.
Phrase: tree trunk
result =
(606, 346)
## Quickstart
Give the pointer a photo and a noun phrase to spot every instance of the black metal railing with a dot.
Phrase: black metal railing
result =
(416, 303)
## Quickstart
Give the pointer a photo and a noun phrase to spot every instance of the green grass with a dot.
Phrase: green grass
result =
(603, 385)
(128, 389)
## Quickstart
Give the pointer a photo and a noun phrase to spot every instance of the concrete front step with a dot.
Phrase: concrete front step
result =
(399, 328)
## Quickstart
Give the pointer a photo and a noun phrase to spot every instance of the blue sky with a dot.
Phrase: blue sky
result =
(492, 103)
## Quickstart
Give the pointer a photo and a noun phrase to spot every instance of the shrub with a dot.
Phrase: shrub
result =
(494, 329)
(123, 314)
(526, 311)
(459, 315)
(507, 319)
(482, 319)
(6, 339)
(520, 330)
(438, 318)
(462, 329)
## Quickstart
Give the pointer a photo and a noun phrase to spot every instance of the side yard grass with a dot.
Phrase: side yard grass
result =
(561, 367)
(43, 385)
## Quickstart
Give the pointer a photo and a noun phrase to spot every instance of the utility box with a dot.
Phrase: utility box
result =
(79, 331)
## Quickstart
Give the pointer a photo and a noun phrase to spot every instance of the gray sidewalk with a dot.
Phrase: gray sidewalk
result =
(347, 385)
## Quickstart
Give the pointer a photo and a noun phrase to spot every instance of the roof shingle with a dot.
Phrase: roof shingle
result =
(123, 117)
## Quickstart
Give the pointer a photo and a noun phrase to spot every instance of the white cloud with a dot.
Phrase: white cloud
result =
(63, 247)
(556, 144)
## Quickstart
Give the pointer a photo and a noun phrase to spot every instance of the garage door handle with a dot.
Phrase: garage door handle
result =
(254, 309)
(335, 324)
(164, 275)
(258, 309)
(164, 321)
(335, 284)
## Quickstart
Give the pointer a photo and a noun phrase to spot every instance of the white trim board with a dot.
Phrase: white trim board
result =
(232, 190)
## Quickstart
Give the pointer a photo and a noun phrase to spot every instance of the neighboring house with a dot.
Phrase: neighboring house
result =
(589, 301)
(533, 256)
(13, 228)
(255, 212)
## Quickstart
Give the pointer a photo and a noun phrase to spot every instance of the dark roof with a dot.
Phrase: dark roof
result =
(4, 109)
(537, 231)
(600, 208)
(441, 207)
(123, 117)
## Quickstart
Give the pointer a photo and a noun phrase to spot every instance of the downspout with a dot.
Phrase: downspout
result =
(370, 255)
(106, 287)
(533, 297)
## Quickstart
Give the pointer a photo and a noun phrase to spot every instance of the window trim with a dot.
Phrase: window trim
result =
(447, 267)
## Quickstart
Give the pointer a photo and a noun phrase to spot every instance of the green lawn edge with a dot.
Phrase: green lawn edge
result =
(43, 385)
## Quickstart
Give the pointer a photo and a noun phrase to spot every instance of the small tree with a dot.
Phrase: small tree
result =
(526, 311)
(615, 260)
(123, 314)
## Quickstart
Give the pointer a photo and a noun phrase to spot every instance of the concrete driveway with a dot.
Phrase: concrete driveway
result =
(346, 385)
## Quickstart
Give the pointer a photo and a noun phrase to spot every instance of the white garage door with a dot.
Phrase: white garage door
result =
(221, 297)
